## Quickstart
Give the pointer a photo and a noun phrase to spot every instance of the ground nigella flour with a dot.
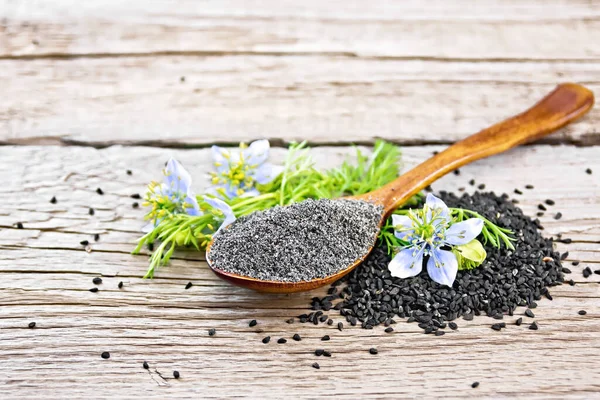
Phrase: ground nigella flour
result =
(308, 240)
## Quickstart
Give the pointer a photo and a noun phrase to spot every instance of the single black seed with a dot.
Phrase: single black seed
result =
(252, 323)
(326, 353)
(182, 79)
(529, 313)
(539, 214)
(558, 216)
(105, 355)
(289, 321)
(587, 272)
(373, 350)
(129, 172)
(550, 202)
(565, 270)
(548, 295)
(212, 332)
(97, 281)
(481, 186)
(564, 256)
(528, 186)
(597, 271)
(329, 321)
(84, 242)
(266, 339)
(453, 326)
(145, 365)
(325, 338)
(296, 337)
(389, 330)
(457, 172)
(281, 341)
(440, 333)
(188, 285)
(150, 246)
(319, 352)
(533, 326)
(96, 237)
(519, 321)
(99, 191)
(582, 312)
(428, 188)
(316, 365)
(517, 191)
(91, 211)
(542, 207)
(496, 327)
(136, 196)
(53, 200)
(340, 326)
(565, 240)
(176, 374)
(135, 205)
(588, 171)
(31, 325)
(575, 263)
(94, 290)
(120, 285)
(474, 385)
(19, 225)
(571, 282)
(472, 182)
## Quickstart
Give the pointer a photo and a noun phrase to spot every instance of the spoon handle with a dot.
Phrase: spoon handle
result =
(565, 104)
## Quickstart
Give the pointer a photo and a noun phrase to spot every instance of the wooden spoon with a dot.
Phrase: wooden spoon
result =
(565, 104)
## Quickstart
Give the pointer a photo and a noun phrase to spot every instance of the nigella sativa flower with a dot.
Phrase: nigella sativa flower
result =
(222, 208)
(427, 231)
(238, 171)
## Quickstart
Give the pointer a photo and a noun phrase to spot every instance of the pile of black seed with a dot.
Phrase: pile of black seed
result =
(308, 240)
(506, 279)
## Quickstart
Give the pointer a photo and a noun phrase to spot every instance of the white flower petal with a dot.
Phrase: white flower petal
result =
(407, 263)
(434, 203)
(463, 232)
(266, 172)
(257, 153)
(442, 267)
(402, 220)
(224, 207)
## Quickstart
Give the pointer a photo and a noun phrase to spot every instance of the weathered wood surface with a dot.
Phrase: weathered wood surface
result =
(46, 275)
(321, 99)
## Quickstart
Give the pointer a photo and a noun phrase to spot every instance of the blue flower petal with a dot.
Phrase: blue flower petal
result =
(250, 193)
(463, 232)
(220, 158)
(407, 263)
(257, 153)
(194, 210)
(442, 267)
(176, 177)
(434, 203)
(405, 223)
(149, 227)
(224, 207)
(266, 172)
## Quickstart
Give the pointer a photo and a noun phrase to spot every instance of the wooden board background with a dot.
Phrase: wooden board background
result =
(92, 89)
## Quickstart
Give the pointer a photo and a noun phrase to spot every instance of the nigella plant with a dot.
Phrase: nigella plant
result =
(238, 171)
(432, 235)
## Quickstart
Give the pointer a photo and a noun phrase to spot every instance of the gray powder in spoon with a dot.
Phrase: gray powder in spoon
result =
(304, 241)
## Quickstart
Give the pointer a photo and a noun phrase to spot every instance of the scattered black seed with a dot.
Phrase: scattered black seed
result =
(120, 285)
(96, 237)
(281, 341)
(580, 312)
(212, 332)
(533, 326)
(566, 270)
(514, 201)
(558, 216)
(252, 323)
(136, 196)
(461, 189)
(588, 171)
(289, 321)
(481, 186)
(19, 225)
(587, 272)
(105, 355)
(97, 281)
(135, 204)
(453, 326)
(329, 321)
(540, 214)
(597, 272)
(550, 202)
(316, 365)
(182, 79)
(529, 313)
(176, 374)
(428, 188)
(389, 330)
(31, 325)
(340, 326)
(150, 246)
(572, 282)
(189, 285)
(129, 172)
(517, 191)
(91, 211)
(472, 182)
(528, 186)
(440, 333)
(99, 191)
(496, 327)
(457, 172)
(533, 305)
(519, 321)
(326, 353)
(296, 337)
(564, 255)
(325, 338)
(266, 339)
(145, 365)
(548, 295)
(542, 207)
(565, 240)
(575, 263)
(319, 352)
(474, 385)
(84, 242)
(94, 290)
(53, 200)
(373, 350)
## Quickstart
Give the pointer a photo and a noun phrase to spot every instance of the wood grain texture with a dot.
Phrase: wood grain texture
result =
(46, 275)
(531, 29)
(325, 100)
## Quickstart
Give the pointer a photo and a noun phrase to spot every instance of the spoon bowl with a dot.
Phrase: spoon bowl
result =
(565, 104)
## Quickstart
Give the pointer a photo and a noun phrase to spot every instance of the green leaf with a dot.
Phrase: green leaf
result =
(470, 255)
